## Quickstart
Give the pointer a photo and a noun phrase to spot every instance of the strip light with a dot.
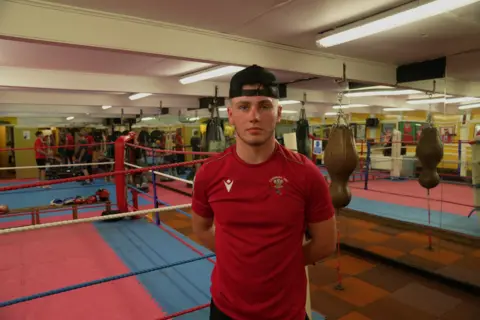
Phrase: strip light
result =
(287, 102)
(398, 109)
(415, 14)
(147, 118)
(381, 93)
(348, 106)
(70, 118)
(137, 96)
(209, 74)
(330, 113)
(442, 100)
(106, 107)
(469, 106)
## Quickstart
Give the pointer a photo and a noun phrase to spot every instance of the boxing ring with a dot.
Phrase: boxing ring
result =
(68, 261)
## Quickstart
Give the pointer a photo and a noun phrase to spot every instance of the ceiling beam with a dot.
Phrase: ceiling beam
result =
(44, 21)
(186, 96)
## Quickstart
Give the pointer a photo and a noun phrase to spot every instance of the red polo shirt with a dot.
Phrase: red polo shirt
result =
(261, 212)
(90, 141)
(70, 142)
(40, 145)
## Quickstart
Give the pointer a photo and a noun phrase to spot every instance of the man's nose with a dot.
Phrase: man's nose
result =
(254, 114)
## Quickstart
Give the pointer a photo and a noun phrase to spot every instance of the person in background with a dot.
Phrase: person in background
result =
(69, 147)
(180, 146)
(83, 157)
(11, 154)
(89, 157)
(196, 143)
(41, 156)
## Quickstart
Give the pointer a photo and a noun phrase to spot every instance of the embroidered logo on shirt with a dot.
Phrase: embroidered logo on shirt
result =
(277, 183)
(228, 184)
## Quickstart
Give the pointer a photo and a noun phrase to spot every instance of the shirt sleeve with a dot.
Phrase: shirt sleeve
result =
(319, 205)
(200, 204)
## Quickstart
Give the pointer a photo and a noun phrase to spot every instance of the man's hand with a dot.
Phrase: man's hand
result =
(323, 239)
(204, 230)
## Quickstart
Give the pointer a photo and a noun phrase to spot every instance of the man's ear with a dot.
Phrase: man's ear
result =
(230, 117)
(279, 114)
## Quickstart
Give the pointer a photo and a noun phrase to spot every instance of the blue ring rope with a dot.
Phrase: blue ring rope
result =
(99, 281)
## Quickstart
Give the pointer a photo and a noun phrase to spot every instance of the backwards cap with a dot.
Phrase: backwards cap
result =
(254, 75)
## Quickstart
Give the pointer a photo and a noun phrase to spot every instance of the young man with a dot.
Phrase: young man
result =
(69, 147)
(89, 156)
(83, 156)
(261, 197)
(41, 156)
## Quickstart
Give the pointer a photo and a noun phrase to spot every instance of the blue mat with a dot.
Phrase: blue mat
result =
(34, 197)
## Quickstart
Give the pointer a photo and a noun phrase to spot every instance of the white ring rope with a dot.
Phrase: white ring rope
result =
(58, 166)
(93, 219)
(161, 174)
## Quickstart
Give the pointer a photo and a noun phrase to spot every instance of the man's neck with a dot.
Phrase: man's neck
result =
(255, 155)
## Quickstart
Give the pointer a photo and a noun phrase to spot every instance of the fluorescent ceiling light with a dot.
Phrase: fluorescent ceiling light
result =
(397, 109)
(222, 109)
(469, 106)
(415, 14)
(288, 111)
(209, 74)
(106, 107)
(70, 118)
(373, 93)
(331, 113)
(147, 118)
(442, 100)
(194, 119)
(373, 88)
(137, 96)
(348, 106)
(287, 102)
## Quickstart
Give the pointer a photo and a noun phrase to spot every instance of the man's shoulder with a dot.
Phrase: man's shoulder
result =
(218, 160)
(293, 158)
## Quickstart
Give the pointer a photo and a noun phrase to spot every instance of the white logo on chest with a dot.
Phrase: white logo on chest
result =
(228, 184)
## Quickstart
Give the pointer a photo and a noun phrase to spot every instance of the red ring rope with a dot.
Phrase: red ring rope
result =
(101, 175)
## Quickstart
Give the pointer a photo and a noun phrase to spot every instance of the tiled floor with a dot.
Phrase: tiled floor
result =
(447, 258)
(379, 292)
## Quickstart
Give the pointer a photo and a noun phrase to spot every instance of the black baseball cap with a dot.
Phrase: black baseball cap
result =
(252, 75)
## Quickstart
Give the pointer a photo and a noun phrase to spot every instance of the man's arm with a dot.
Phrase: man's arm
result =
(202, 218)
(320, 218)
(323, 240)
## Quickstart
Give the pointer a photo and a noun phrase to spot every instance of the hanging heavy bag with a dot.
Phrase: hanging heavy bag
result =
(302, 134)
(214, 136)
(429, 152)
(341, 159)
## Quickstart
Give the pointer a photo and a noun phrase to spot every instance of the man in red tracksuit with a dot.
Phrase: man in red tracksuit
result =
(41, 156)
(252, 205)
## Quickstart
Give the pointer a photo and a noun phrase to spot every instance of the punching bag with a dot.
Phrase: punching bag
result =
(214, 138)
(303, 145)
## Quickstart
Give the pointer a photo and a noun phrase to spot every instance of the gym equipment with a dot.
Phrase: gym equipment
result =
(429, 152)
(341, 159)
(144, 138)
(157, 135)
(56, 202)
(97, 135)
(4, 209)
(103, 194)
(144, 187)
(214, 138)
(79, 200)
(303, 143)
(91, 199)
(69, 201)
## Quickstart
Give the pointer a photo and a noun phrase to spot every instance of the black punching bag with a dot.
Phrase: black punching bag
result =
(303, 145)
(214, 138)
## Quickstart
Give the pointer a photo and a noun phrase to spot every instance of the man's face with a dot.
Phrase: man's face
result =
(254, 118)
